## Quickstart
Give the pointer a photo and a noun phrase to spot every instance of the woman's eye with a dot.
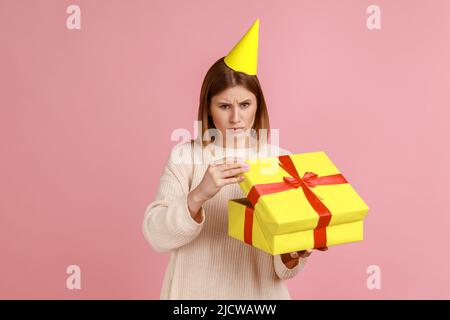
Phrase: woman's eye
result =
(226, 106)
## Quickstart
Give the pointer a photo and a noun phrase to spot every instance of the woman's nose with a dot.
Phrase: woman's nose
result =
(235, 115)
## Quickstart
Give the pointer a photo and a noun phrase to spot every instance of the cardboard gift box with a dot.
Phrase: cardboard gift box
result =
(296, 202)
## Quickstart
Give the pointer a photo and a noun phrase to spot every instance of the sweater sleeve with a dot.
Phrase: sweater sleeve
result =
(168, 223)
(284, 272)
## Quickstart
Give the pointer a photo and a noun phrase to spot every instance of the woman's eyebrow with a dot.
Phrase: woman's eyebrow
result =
(245, 100)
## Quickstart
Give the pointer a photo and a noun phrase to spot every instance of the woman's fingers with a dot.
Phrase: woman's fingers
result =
(232, 180)
(222, 170)
(234, 172)
(228, 165)
(227, 161)
(291, 263)
(231, 166)
(227, 172)
(305, 253)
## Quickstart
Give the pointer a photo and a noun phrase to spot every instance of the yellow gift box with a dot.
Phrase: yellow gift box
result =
(296, 202)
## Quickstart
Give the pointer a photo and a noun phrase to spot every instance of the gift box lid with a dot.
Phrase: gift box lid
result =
(301, 192)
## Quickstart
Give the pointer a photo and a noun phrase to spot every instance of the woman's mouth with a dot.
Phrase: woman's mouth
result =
(237, 130)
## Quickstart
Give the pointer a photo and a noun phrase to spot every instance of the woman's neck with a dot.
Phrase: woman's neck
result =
(247, 151)
(246, 143)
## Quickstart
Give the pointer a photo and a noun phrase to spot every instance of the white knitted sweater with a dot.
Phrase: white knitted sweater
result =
(206, 263)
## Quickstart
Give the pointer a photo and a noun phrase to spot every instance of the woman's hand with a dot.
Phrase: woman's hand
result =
(291, 259)
(216, 177)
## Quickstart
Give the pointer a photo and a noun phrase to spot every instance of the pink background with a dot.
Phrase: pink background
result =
(86, 118)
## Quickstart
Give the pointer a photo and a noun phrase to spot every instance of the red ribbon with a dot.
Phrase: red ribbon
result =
(248, 225)
(308, 181)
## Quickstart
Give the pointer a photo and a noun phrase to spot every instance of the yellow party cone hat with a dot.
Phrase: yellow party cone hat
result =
(244, 56)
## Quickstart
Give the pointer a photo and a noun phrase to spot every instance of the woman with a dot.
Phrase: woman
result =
(189, 216)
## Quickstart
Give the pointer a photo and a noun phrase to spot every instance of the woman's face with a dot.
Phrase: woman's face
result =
(234, 108)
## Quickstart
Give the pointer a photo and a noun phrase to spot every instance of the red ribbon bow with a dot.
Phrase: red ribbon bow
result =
(308, 181)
